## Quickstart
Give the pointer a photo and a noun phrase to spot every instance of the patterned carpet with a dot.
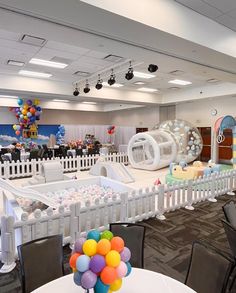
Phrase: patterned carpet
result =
(167, 244)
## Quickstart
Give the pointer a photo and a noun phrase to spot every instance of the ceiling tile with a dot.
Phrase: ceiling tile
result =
(232, 13)
(201, 7)
(48, 54)
(227, 21)
(67, 48)
(96, 54)
(223, 5)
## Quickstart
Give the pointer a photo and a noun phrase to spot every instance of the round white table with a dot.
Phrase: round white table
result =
(139, 281)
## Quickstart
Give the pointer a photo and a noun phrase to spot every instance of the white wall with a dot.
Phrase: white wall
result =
(141, 117)
(199, 112)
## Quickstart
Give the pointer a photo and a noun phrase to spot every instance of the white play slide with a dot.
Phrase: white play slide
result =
(123, 173)
(27, 193)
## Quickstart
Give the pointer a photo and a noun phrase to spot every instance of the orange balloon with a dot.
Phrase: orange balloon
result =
(117, 243)
(32, 110)
(103, 246)
(108, 275)
(73, 260)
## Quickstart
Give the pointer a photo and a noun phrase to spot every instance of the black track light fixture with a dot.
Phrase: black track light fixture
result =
(112, 79)
(98, 85)
(87, 87)
(76, 91)
(152, 68)
(130, 74)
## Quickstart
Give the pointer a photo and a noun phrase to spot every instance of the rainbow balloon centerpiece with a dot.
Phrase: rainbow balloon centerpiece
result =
(100, 262)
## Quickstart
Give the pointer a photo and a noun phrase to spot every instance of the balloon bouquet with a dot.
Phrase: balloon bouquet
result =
(110, 131)
(100, 262)
(26, 113)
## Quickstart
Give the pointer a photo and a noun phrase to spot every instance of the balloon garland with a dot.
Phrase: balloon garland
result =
(26, 113)
(100, 262)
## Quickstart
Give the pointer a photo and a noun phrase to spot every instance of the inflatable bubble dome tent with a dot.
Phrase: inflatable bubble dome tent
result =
(170, 141)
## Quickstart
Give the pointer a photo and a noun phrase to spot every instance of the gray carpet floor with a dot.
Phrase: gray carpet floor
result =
(167, 243)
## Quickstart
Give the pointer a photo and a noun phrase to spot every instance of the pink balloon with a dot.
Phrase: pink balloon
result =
(121, 270)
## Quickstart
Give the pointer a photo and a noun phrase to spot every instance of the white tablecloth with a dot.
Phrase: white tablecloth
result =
(140, 281)
(24, 156)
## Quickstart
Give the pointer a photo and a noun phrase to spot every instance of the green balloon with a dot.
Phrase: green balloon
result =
(107, 235)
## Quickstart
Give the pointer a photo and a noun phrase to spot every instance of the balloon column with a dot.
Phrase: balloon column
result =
(27, 113)
(60, 135)
(100, 262)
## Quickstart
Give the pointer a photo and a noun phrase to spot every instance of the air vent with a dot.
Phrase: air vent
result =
(176, 72)
(113, 58)
(82, 73)
(31, 40)
(15, 63)
(213, 80)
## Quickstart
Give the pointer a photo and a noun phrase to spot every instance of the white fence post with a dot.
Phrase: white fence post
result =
(8, 244)
(213, 188)
(231, 184)
(161, 203)
(189, 195)
(124, 207)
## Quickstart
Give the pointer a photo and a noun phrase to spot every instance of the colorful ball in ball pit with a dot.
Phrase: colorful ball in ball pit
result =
(117, 243)
(90, 247)
(116, 285)
(97, 263)
(77, 278)
(78, 247)
(100, 287)
(125, 254)
(107, 235)
(122, 270)
(108, 275)
(113, 259)
(73, 260)
(88, 280)
(103, 246)
(82, 263)
(94, 234)
(129, 269)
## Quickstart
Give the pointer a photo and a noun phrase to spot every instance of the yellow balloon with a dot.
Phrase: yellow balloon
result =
(25, 106)
(25, 117)
(116, 285)
(74, 270)
(36, 102)
(113, 258)
(90, 247)
(110, 291)
(24, 112)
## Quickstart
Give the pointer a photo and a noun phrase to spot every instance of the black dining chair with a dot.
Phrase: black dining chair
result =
(41, 261)
(229, 210)
(209, 270)
(34, 154)
(133, 236)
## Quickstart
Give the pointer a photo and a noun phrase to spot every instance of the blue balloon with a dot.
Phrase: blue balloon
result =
(20, 102)
(82, 263)
(129, 268)
(100, 287)
(77, 278)
(94, 234)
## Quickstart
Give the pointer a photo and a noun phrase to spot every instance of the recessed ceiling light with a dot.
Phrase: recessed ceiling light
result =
(48, 63)
(143, 75)
(180, 82)
(114, 85)
(173, 88)
(34, 74)
(33, 40)
(139, 82)
(147, 89)
(82, 73)
(89, 103)
(213, 80)
(8, 97)
(15, 63)
(63, 101)
(176, 72)
(113, 58)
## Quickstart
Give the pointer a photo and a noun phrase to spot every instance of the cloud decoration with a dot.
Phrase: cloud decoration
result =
(8, 138)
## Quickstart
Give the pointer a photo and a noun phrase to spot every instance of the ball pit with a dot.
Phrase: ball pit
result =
(97, 267)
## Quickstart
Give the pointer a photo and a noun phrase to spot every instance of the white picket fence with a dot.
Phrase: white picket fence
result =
(20, 169)
(136, 206)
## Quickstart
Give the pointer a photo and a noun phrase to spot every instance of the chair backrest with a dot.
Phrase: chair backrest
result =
(41, 261)
(209, 270)
(231, 236)
(15, 156)
(230, 212)
(133, 235)
(34, 154)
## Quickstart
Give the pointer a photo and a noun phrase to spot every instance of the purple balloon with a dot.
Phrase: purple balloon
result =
(97, 263)
(88, 280)
(78, 247)
(29, 102)
(125, 254)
